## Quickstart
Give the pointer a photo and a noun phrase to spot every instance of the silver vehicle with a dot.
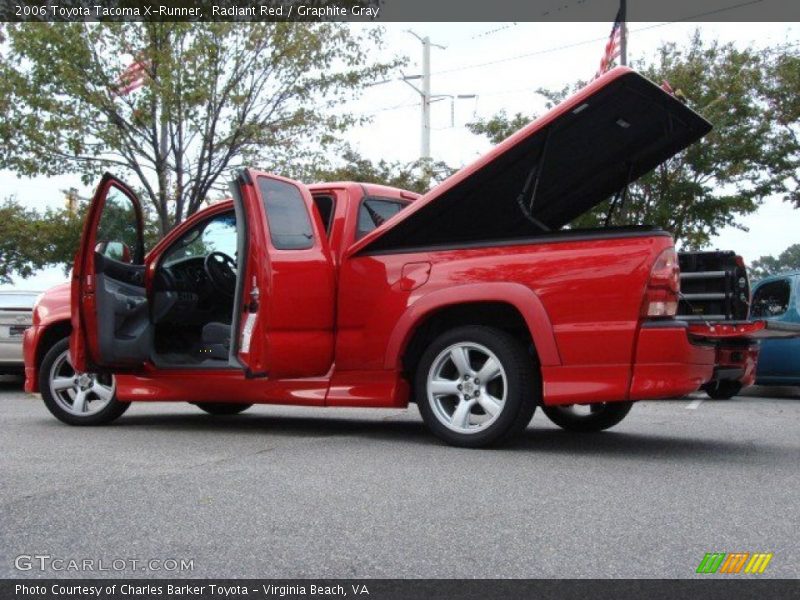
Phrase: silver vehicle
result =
(15, 317)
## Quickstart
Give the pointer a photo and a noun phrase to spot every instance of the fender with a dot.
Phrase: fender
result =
(52, 309)
(519, 296)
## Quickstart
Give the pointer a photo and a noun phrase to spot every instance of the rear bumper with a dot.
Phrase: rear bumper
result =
(671, 361)
(667, 364)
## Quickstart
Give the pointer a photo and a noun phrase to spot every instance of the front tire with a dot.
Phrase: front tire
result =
(77, 398)
(589, 418)
(476, 386)
(221, 408)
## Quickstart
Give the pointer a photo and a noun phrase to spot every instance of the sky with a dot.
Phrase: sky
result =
(502, 64)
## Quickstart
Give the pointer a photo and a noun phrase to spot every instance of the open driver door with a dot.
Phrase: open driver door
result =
(111, 328)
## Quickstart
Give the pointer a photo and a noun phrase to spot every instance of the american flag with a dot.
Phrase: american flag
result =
(132, 78)
(613, 45)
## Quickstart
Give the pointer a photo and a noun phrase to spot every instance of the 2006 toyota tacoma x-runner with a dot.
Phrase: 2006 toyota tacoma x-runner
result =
(478, 301)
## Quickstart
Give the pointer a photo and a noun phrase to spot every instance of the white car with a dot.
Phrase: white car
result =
(15, 317)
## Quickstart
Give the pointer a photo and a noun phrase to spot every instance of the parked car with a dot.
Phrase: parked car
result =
(15, 317)
(478, 301)
(715, 287)
(778, 299)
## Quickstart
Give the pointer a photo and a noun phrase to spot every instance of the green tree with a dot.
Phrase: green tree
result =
(416, 176)
(751, 99)
(784, 99)
(215, 96)
(788, 260)
(31, 239)
(18, 249)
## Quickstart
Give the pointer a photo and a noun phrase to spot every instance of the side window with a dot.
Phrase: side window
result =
(118, 234)
(325, 206)
(374, 212)
(218, 234)
(287, 216)
(771, 299)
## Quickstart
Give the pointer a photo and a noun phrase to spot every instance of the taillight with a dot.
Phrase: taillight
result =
(664, 286)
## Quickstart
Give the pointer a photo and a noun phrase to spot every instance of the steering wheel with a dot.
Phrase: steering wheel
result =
(221, 270)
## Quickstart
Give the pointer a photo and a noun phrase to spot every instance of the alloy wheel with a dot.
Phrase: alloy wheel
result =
(467, 387)
(80, 394)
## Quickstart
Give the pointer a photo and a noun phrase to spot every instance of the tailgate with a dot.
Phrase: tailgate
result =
(744, 330)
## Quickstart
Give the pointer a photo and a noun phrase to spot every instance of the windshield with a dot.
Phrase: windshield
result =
(215, 235)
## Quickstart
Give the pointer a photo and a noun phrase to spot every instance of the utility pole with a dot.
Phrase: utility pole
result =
(623, 45)
(425, 144)
(71, 199)
(426, 97)
(425, 93)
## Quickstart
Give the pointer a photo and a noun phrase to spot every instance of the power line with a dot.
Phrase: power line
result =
(533, 88)
(388, 108)
(593, 40)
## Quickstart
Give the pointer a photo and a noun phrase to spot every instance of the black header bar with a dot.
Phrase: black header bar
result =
(711, 588)
(398, 10)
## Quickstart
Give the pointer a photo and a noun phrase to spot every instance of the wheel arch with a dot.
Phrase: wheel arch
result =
(508, 306)
(54, 332)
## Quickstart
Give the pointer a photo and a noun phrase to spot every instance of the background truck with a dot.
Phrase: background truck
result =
(478, 301)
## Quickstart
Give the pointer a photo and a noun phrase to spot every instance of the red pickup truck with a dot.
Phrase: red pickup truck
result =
(478, 301)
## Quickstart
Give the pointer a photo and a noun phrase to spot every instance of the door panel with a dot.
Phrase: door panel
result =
(123, 315)
(286, 328)
(110, 316)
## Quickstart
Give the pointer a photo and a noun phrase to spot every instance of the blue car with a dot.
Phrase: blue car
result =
(777, 298)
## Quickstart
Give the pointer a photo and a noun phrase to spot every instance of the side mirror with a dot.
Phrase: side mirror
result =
(114, 250)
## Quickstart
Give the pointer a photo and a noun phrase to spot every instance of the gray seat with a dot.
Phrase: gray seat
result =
(216, 340)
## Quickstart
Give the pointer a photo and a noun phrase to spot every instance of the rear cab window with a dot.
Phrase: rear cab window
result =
(325, 205)
(771, 299)
(374, 212)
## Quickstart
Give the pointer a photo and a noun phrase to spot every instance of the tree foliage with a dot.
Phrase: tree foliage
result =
(415, 176)
(29, 240)
(215, 96)
(788, 260)
(32, 239)
(751, 98)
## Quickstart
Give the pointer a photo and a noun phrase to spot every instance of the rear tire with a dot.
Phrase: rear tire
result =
(722, 390)
(601, 416)
(476, 386)
(77, 398)
(221, 408)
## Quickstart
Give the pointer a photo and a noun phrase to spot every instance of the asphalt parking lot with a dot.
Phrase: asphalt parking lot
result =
(287, 492)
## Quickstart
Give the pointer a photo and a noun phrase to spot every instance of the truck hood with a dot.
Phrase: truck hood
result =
(587, 148)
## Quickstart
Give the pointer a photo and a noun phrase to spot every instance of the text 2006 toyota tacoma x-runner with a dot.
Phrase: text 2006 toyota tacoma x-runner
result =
(477, 300)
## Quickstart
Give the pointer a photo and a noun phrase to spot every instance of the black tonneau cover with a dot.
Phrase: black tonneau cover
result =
(613, 131)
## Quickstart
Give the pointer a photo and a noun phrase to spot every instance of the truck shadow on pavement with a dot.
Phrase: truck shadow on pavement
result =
(536, 439)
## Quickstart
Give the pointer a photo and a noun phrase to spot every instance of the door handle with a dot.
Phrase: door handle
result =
(255, 294)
